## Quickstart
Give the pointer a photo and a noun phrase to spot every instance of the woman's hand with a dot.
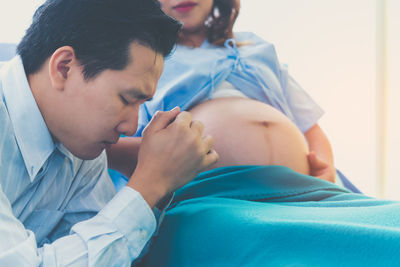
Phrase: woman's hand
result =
(321, 169)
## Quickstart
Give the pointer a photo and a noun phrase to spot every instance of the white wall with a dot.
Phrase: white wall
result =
(15, 17)
(393, 100)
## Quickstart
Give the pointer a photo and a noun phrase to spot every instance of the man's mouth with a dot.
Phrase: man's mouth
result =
(113, 142)
(185, 7)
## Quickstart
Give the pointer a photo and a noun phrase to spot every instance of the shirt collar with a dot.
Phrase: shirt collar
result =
(32, 135)
(73, 161)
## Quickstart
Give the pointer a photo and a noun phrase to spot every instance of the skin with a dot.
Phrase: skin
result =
(194, 30)
(260, 135)
(87, 116)
(248, 132)
(321, 155)
(72, 100)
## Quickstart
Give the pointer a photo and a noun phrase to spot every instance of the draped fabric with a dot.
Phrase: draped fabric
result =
(272, 216)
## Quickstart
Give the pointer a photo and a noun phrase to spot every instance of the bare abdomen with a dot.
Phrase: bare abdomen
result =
(248, 132)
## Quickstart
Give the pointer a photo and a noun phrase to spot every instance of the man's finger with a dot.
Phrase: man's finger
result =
(208, 142)
(198, 126)
(210, 158)
(161, 120)
(184, 118)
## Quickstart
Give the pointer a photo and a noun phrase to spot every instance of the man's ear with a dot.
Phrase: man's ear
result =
(60, 65)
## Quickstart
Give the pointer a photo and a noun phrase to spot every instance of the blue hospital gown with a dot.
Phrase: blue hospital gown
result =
(192, 74)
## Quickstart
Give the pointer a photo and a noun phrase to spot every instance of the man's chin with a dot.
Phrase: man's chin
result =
(88, 154)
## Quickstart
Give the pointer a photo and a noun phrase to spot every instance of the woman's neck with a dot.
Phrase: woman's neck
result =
(192, 39)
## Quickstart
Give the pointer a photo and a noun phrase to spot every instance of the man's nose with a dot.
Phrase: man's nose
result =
(128, 126)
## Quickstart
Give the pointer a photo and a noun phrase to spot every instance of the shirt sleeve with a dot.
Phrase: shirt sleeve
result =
(305, 110)
(17, 246)
(114, 237)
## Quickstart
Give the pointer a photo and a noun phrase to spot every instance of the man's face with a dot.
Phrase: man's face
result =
(95, 113)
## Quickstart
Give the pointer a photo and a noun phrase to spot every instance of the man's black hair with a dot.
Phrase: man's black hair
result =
(100, 32)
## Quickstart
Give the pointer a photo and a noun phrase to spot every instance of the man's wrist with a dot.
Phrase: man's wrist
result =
(152, 194)
(165, 201)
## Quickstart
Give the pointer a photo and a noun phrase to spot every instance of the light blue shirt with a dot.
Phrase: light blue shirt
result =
(56, 209)
(191, 75)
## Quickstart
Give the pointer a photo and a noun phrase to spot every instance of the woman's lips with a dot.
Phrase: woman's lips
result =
(185, 7)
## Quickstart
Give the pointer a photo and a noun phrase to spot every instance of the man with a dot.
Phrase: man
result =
(83, 69)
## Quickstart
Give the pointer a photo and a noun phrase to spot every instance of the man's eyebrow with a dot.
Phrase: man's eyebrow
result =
(135, 93)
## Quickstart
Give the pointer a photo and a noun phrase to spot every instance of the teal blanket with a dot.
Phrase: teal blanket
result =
(272, 216)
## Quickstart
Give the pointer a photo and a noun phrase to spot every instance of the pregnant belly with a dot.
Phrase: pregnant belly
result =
(248, 132)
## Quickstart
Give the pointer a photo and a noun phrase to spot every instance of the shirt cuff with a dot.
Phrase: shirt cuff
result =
(128, 214)
(159, 210)
(131, 214)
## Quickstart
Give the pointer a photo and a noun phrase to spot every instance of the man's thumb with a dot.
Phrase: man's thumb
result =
(161, 120)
